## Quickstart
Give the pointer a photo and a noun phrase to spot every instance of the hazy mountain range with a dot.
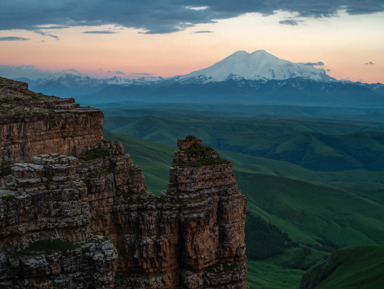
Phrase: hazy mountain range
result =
(241, 78)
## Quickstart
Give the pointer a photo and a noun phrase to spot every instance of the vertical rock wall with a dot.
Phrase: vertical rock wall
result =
(88, 221)
(70, 132)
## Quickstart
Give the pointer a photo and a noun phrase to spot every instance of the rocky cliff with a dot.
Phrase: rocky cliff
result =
(75, 213)
(33, 124)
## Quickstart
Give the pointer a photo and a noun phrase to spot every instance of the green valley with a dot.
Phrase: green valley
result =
(313, 185)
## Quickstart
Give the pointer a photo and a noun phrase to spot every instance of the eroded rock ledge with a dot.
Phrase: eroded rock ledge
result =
(75, 213)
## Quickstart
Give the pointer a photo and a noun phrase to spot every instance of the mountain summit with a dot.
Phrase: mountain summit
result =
(259, 65)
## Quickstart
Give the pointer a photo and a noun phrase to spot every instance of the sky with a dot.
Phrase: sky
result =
(172, 37)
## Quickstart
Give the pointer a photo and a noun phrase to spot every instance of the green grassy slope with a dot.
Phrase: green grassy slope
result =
(321, 145)
(310, 213)
(155, 159)
(323, 152)
(270, 276)
(167, 128)
(233, 110)
(267, 166)
(314, 215)
(264, 239)
(359, 267)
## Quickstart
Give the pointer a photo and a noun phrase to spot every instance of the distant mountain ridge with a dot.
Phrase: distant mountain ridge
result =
(241, 78)
(293, 91)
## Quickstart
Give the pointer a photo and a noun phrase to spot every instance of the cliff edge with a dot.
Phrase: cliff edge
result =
(75, 213)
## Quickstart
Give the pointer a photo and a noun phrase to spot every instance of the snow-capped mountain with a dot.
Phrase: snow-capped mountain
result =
(128, 81)
(259, 65)
(241, 78)
(69, 85)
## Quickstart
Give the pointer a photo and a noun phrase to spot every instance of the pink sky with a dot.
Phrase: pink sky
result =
(351, 47)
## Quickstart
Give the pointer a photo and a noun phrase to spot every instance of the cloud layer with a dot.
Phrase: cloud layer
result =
(99, 32)
(292, 22)
(161, 16)
(13, 38)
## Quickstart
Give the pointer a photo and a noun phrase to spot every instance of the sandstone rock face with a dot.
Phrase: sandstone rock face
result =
(43, 199)
(32, 124)
(69, 132)
(75, 213)
(43, 203)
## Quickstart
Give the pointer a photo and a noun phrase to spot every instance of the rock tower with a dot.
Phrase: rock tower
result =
(75, 213)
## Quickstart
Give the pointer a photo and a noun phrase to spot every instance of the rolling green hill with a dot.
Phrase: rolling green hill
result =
(295, 222)
(359, 267)
(313, 214)
(286, 169)
(239, 110)
(307, 211)
(269, 276)
(321, 145)
(313, 185)
(321, 152)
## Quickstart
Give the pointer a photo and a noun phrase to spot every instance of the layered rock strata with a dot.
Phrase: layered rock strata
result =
(46, 238)
(79, 215)
(70, 132)
(33, 124)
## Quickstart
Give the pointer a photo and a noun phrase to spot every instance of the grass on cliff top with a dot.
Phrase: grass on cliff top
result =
(17, 100)
(203, 155)
(13, 91)
(359, 267)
